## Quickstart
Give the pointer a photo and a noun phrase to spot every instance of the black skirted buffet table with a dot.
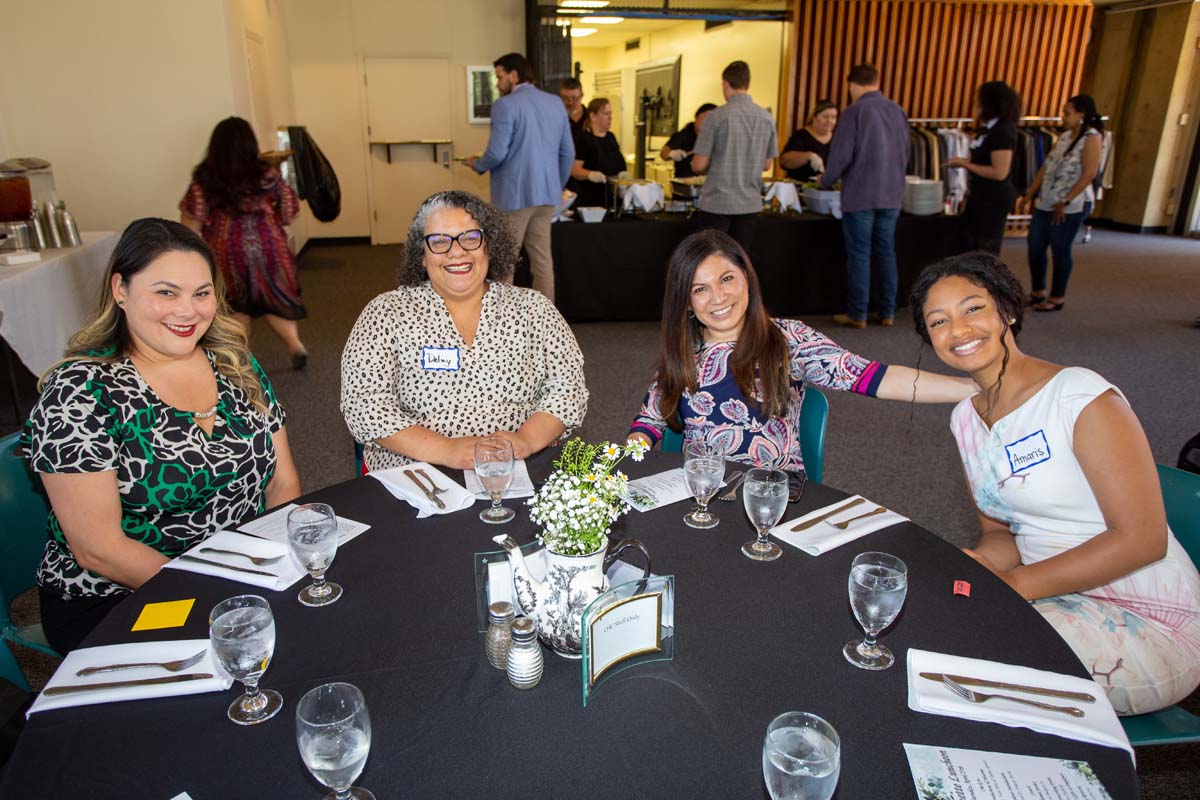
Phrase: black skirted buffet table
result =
(752, 640)
(614, 270)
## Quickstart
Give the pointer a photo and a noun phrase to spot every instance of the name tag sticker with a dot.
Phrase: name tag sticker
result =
(1028, 452)
(441, 359)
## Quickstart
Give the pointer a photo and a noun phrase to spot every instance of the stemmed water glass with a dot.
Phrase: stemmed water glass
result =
(242, 633)
(802, 757)
(333, 732)
(878, 584)
(312, 532)
(703, 471)
(494, 468)
(765, 495)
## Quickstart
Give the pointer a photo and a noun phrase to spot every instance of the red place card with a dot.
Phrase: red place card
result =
(963, 588)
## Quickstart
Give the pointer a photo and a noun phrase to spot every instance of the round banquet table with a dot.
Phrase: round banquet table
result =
(752, 640)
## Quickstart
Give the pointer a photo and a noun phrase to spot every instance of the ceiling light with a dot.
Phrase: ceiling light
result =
(579, 33)
(602, 20)
(583, 3)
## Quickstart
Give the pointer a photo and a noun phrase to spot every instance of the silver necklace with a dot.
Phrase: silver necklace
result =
(205, 414)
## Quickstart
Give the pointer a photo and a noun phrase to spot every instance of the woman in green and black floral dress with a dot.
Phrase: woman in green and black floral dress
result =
(156, 430)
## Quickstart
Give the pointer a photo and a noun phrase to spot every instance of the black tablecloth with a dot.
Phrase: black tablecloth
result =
(752, 640)
(614, 270)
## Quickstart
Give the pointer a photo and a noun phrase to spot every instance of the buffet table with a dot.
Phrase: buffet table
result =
(615, 270)
(44, 302)
(752, 640)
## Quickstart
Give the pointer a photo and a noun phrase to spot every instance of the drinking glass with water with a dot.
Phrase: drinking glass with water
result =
(802, 757)
(494, 468)
(312, 541)
(242, 633)
(333, 732)
(765, 495)
(878, 584)
(703, 471)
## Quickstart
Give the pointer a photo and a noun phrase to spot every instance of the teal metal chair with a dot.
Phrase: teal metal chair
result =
(814, 413)
(1174, 725)
(358, 460)
(23, 507)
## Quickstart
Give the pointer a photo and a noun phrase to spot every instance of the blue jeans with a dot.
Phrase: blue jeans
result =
(870, 233)
(1058, 238)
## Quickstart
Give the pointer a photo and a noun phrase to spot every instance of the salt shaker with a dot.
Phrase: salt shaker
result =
(50, 222)
(67, 227)
(499, 634)
(525, 663)
(38, 233)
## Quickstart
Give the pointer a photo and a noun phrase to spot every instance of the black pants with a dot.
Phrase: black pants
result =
(739, 226)
(986, 214)
(68, 622)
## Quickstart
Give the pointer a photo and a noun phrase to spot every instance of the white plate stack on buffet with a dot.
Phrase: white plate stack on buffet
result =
(922, 196)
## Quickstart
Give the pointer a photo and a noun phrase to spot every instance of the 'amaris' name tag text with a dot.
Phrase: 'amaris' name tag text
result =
(442, 359)
(1028, 452)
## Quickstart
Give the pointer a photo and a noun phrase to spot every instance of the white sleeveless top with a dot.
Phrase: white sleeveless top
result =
(1023, 472)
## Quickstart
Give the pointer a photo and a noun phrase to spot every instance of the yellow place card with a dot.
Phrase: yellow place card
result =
(164, 615)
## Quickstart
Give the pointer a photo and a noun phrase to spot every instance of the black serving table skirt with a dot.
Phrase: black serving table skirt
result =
(752, 640)
(615, 270)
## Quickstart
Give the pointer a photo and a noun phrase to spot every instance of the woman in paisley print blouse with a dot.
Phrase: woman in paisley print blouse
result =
(455, 353)
(157, 429)
(728, 373)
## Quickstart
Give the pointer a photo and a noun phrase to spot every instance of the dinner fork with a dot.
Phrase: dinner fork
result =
(844, 525)
(732, 487)
(169, 666)
(979, 697)
(257, 561)
(436, 489)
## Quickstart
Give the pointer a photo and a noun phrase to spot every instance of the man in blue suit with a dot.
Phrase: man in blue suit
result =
(529, 153)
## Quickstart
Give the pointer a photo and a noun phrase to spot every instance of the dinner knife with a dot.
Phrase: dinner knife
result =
(87, 687)
(199, 560)
(803, 526)
(430, 496)
(1082, 697)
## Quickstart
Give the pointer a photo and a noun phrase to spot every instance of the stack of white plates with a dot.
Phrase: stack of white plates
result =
(922, 196)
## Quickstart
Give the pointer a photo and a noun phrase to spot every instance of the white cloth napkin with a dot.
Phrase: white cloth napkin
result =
(456, 498)
(130, 654)
(1099, 723)
(642, 197)
(284, 572)
(823, 537)
(785, 193)
(521, 484)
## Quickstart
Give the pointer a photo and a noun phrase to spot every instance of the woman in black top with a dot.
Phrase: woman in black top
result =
(990, 191)
(597, 156)
(805, 152)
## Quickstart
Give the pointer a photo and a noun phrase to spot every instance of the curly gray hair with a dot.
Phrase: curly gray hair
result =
(498, 242)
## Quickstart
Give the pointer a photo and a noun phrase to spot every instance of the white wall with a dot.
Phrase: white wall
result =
(120, 97)
(705, 54)
(327, 40)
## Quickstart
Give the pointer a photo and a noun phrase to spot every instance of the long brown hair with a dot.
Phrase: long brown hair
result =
(595, 107)
(106, 338)
(760, 357)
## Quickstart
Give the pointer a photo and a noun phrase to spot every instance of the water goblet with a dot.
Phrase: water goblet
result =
(703, 471)
(494, 467)
(878, 584)
(802, 756)
(312, 532)
(242, 633)
(333, 732)
(765, 496)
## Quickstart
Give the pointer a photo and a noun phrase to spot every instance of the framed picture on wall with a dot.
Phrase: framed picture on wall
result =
(481, 93)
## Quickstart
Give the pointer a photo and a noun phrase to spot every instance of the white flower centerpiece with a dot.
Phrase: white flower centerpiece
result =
(578, 504)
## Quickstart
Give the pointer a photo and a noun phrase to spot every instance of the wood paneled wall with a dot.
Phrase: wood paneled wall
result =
(933, 54)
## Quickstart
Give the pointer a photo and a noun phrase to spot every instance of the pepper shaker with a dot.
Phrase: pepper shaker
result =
(38, 233)
(499, 634)
(525, 662)
(50, 222)
(68, 230)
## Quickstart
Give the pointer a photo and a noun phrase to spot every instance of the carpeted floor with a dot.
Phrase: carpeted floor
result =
(1129, 316)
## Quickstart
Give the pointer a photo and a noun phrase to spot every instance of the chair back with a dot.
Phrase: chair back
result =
(24, 509)
(1181, 496)
(10, 670)
(814, 414)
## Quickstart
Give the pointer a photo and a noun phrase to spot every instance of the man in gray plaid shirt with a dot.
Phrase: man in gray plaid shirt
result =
(736, 145)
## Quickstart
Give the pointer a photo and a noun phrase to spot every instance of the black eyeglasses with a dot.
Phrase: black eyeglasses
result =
(439, 243)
